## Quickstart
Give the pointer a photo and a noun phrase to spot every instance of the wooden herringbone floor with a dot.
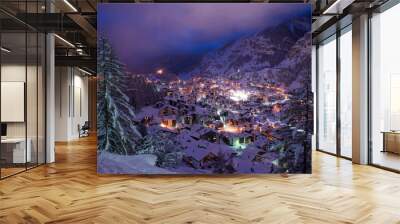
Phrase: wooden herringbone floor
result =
(70, 191)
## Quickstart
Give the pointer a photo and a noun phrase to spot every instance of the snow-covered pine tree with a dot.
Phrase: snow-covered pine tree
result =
(164, 146)
(116, 131)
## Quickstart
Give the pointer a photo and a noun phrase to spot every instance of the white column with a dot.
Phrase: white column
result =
(360, 90)
(62, 103)
(50, 92)
(50, 100)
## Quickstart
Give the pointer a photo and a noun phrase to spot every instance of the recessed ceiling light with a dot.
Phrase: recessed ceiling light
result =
(338, 6)
(64, 40)
(70, 5)
(5, 50)
(84, 71)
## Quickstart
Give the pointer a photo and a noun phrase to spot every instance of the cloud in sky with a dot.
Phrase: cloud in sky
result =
(146, 35)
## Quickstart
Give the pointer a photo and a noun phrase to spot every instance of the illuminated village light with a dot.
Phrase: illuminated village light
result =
(160, 71)
(239, 95)
(231, 129)
(276, 108)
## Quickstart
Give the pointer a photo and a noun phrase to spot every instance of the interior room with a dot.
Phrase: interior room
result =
(71, 103)
(60, 78)
(22, 100)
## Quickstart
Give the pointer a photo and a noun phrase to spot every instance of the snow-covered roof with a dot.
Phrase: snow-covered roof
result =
(235, 135)
(169, 117)
(168, 106)
(146, 111)
(202, 111)
(200, 149)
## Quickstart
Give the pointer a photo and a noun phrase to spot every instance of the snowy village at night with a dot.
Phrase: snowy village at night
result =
(237, 101)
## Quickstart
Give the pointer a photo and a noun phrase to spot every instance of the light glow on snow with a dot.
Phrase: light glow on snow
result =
(239, 95)
(232, 129)
(238, 145)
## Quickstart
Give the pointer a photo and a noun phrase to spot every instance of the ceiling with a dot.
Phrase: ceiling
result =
(75, 22)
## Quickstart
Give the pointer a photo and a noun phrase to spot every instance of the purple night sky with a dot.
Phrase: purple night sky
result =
(175, 35)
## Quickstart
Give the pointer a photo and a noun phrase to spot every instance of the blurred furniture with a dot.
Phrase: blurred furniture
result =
(84, 130)
(13, 150)
(3, 130)
(391, 141)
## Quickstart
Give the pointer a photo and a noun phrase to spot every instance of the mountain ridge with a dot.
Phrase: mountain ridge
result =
(264, 49)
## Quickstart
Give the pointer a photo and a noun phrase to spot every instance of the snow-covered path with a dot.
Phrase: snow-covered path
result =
(108, 163)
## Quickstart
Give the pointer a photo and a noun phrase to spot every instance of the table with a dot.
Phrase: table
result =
(391, 141)
(13, 150)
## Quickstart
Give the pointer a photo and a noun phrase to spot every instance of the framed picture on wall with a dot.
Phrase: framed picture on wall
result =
(12, 101)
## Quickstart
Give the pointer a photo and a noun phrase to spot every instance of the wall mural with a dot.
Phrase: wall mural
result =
(204, 88)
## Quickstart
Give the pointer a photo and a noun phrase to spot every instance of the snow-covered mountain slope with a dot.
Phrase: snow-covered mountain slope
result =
(293, 72)
(265, 49)
(298, 63)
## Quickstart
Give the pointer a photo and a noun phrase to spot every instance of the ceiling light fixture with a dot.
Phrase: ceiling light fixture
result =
(331, 7)
(70, 5)
(5, 50)
(80, 51)
(64, 40)
(337, 7)
(84, 71)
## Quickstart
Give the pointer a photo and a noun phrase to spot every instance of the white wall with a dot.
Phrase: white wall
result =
(62, 82)
(13, 72)
(71, 103)
(79, 110)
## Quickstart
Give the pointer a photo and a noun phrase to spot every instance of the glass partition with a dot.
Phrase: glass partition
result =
(327, 96)
(346, 92)
(22, 88)
(14, 145)
(385, 89)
